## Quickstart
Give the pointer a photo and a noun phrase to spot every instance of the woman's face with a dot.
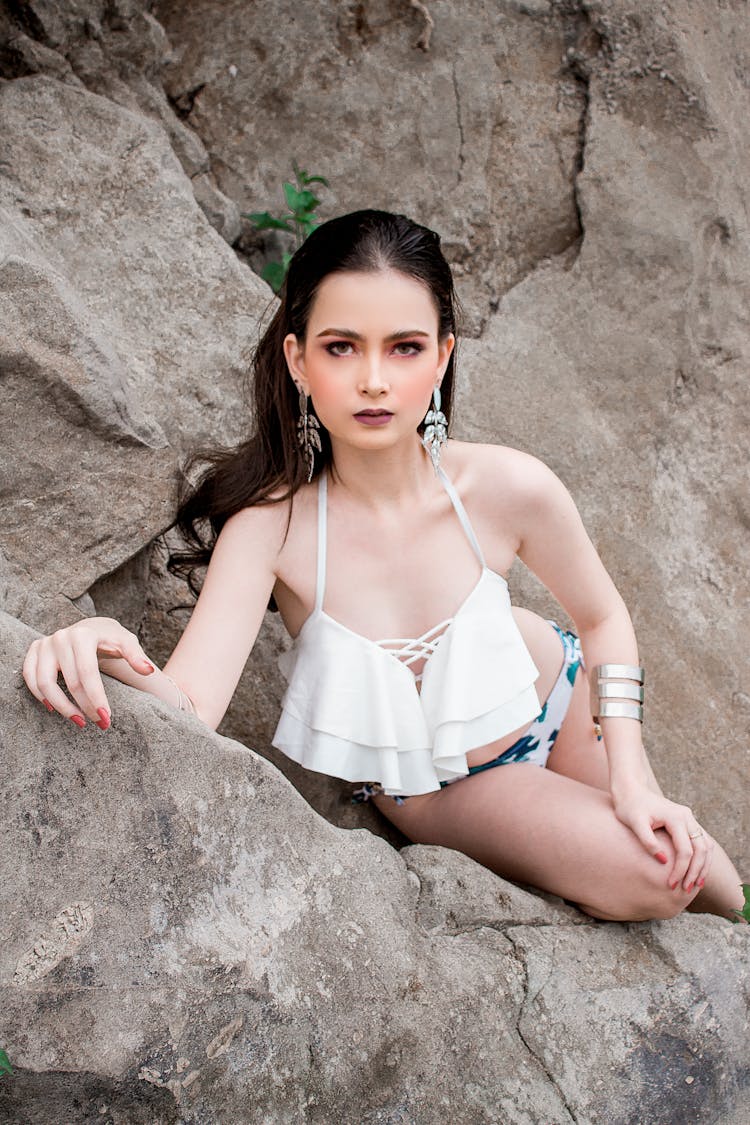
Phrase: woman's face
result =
(371, 357)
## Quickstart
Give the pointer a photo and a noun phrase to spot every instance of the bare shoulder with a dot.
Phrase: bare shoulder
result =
(261, 528)
(491, 476)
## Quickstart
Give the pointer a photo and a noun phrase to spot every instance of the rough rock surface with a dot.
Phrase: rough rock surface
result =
(110, 276)
(186, 938)
(194, 943)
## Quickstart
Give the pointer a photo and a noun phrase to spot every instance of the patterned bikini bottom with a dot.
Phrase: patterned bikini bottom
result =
(536, 744)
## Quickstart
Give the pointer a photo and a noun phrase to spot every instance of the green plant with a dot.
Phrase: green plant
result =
(745, 912)
(299, 220)
(5, 1067)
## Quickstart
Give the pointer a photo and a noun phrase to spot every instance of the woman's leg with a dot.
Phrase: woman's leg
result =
(555, 828)
(539, 827)
(577, 754)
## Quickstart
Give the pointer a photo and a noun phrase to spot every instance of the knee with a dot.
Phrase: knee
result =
(646, 896)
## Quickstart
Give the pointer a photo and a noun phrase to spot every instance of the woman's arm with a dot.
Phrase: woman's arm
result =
(209, 657)
(554, 544)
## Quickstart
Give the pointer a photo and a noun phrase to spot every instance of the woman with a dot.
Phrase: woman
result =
(384, 547)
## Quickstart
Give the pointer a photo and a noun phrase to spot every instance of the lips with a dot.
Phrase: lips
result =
(373, 417)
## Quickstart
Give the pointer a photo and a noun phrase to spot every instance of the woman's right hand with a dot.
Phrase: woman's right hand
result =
(73, 652)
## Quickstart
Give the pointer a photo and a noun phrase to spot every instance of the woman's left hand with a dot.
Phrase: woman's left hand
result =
(643, 811)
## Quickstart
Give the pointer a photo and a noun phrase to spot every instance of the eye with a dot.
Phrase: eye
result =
(408, 347)
(339, 347)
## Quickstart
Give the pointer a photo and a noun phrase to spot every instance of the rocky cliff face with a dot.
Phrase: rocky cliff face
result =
(171, 951)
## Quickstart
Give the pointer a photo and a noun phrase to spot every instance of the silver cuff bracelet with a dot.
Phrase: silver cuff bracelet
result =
(611, 698)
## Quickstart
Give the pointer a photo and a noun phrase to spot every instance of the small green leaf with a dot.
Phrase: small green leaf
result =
(274, 273)
(264, 221)
(306, 202)
(315, 180)
(286, 258)
(291, 195)
(5, 1067)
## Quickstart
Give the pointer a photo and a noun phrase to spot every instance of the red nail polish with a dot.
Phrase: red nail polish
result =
(673, 886)
(103, 714)
(661, 857)
(701, 882)
(689, 887)
(78, 720)
(49, 706)
(149, 665)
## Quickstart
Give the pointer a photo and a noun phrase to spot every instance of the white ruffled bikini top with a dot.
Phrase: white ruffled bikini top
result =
(353, 707)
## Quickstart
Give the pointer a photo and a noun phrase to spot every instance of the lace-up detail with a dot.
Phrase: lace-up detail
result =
(410, 650)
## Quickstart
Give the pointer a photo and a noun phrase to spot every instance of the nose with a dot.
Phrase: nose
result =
(372, 379)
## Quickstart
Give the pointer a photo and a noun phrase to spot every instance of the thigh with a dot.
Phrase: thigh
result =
(537, 827)
(577, 752)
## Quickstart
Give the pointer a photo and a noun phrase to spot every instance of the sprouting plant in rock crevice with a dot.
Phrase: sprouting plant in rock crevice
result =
(745, 912)
(299, 220)
(5, 1067)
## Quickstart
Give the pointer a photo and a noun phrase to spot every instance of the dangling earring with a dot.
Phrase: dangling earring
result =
(308, 437)
(436, 429)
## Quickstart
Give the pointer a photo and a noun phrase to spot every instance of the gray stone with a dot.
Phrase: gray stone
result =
(110, 278)
(185, 939)
(478, 137)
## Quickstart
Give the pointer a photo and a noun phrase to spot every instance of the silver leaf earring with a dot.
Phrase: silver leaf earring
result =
(308, 436)
(436, 429)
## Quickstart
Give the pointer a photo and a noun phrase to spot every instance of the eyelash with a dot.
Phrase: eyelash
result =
(413, 344)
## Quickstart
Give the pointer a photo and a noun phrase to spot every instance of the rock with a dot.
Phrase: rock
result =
(484, 149)
(116, 50)
(186, 940)
(110, 276)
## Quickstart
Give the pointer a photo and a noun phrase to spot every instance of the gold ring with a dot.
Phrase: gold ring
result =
(695, 835)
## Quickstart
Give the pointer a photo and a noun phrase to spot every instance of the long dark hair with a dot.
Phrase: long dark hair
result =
(269, 464)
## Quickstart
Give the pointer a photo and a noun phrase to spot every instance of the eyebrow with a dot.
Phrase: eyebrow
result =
(350, 335)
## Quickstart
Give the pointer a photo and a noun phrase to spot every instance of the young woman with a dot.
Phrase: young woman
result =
(384, 547)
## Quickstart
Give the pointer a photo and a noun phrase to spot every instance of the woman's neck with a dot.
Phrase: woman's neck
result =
(384, 478)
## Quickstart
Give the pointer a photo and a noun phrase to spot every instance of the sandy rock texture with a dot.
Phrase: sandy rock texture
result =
(186, 936)
(194, 943)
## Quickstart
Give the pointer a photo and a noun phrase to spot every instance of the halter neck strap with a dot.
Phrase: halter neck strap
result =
(462, 515)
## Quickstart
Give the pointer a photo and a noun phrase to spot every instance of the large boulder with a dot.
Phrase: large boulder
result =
(112, 285)
(186, 940)
(474, 129)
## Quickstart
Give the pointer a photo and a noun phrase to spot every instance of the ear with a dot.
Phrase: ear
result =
(294, 353)
(445, 350)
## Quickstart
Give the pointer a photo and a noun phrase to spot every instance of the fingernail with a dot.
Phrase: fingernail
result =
(48, 705)
(673, 886)
(701, 882)
(149, 665)
(78, 720)
(661, 857)
(103, 714)
(690, 886)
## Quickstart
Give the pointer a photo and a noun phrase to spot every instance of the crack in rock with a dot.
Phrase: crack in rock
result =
(460, 126)
(520, 1014)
